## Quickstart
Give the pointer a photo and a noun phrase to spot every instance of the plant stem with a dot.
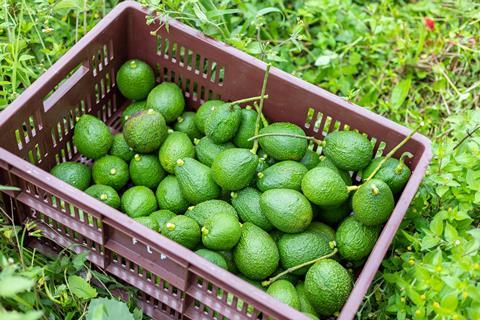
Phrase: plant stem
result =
(468, 135)
(401, 163)
(280, 134)
(260, 108)
(392, 152)
(281, 274)
(262, 117)
(248, 99)
(352, 188)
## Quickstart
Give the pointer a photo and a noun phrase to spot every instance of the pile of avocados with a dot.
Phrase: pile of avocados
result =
(251, 197)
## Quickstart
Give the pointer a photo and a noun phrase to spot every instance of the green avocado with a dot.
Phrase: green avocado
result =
(121, 149)
(256, 254)
(234, 169)
(223, 122)
(177, 145)
(208, 209)
(284, 174)
(327, 286)
(283, 147)
(92, 137)
(349, 150)
(75, 174)
(170, 196)
(247, 204)
(111, 171)
(138, 201)
(204, 112)
(213, 257)
(246, 130)
(301, 247)
(167, 98)
(145, 131)
(373, 203)
(284, 291)
(196, 181)
(206, 149)
(186, 124)
(106, 194)
(288, 210)
(324, 187)
(146, 170)
(355, 241)
(393, 172)
(183, 230)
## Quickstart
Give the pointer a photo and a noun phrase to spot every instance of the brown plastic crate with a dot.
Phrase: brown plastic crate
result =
(37, 133)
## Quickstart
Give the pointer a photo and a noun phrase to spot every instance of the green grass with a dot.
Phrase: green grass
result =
(383, 55)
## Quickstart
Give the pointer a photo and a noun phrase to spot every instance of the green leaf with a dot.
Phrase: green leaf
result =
(69, 5)
(268, 10)
(450, 301)
(451, 233)
(79, 260)
(12, 285)
(326, 59)
(429, 241)
(400, 92)
(436, 226)
(14, 315)
(108, 309)
(81, 288)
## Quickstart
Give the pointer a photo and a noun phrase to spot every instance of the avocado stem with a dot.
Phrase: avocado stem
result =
(262, 117)
(248, 99)
(281, 274)
(392, 152)
(260, 107)
(352, 188)
(401, 163)
(280, 134)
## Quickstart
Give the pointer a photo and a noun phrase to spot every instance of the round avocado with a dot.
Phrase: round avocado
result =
(354, 240)
(167, 98)
(221, 232)
(183, 230)
(327, 286)
(145, 131)
(138, 201)
(104, 193)
(288, 210)
(373, 203)
(234, 169)
(256, 254)
(75, 174)
(324, 187)
(177, 146)
(393, 172)
(349, 150)
(146, 170)
(170, 197)
(111, 171)
(283, 147)
(92, 137)
(135, 79)
(284, 291)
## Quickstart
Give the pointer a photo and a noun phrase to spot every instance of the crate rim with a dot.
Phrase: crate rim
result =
(225, 278)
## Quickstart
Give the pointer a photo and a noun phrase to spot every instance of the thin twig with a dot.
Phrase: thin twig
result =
(281, 134)
(260, 107)
(468, 135)
(281, 274)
